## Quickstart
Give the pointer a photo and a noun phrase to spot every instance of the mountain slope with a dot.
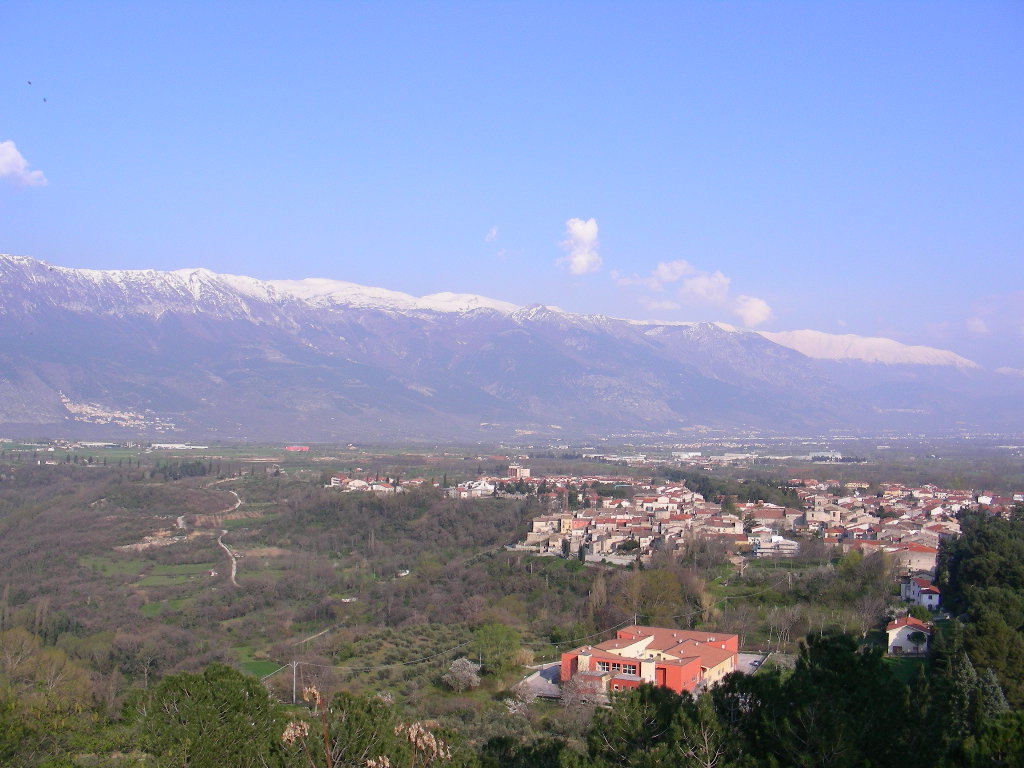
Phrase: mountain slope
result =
(194, 353)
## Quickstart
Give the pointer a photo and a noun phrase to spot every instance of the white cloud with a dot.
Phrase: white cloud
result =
(666, 272)
(977, 325)
(670, 271)
(709, 288)
(15, 167)
(696, 286)
(580, 245)
(752, 310)
(492, 235)
(1011, 371)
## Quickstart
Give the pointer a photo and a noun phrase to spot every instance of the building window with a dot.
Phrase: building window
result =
(602, 666)
(616, 667)
(629, 669)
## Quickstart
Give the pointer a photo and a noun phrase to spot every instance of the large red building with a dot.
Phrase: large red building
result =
(678, 659)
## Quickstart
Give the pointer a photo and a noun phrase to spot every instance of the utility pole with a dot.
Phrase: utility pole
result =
(295, 666)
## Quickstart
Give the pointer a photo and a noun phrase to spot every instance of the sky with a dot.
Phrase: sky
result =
(848, 167)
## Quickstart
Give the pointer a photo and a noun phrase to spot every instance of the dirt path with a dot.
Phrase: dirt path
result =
(220, 538)
(314, 637)
(231, 556)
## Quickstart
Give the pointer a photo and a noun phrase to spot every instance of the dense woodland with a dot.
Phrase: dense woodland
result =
(102, 640)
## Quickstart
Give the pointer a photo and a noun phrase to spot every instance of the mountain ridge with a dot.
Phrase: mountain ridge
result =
(196, 353)
(326, 292)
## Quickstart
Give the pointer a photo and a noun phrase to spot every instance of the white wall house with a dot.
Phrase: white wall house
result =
(898, 637)
(921, 592)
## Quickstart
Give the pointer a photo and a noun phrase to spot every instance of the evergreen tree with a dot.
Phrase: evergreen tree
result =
(210, 720)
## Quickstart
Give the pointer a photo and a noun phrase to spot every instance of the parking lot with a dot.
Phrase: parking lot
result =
(749, 663)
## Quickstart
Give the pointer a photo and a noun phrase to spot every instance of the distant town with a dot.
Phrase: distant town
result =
(618, 520)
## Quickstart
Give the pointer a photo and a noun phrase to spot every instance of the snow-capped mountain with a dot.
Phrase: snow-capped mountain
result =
(829, 346)
(199, 353)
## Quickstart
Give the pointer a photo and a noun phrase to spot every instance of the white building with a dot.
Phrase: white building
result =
(920, 592)
(901, 636)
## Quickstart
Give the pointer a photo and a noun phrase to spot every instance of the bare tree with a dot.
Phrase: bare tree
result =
(782, 622)
(740, 618)
(578, 696)
(869, 609)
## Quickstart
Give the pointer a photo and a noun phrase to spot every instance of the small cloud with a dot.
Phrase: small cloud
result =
(666, 272)
(15, 167)
(492, 235)
(671, 271)
(977, 325)
(752, 310)
(710, 288)
(1011, 371)
(695, 286)
(580, 245)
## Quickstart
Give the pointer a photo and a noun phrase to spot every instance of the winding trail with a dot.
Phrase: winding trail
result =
(231, 556)
(314, 637)
(220, 539)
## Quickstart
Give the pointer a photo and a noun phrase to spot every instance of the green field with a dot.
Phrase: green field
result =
(111, 567)
(170, 575)
(251, 665)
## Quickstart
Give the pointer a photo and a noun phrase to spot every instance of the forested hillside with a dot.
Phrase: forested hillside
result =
(983, 572)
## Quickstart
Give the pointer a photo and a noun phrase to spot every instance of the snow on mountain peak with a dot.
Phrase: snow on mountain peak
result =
(326, 292)
(829, 346)
(154, 292)
(464, 302)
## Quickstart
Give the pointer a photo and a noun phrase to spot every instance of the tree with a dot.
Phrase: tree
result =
(653, 726)
(523, 695)
(15, 734)
(359, 731)
(920, 612)
(496, 645)
(639, 721)
(209, 720)
(1000, 742)
(462, 675)
(703, 740)
(918, 638)
(991, 699)
(840, 707)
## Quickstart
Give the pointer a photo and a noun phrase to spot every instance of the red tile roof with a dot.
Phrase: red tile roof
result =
(908, 621)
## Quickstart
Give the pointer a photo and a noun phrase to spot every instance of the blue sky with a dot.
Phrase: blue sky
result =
(846, 167)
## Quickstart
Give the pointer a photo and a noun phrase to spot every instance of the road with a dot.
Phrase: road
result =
(220, 539)
(231, 556)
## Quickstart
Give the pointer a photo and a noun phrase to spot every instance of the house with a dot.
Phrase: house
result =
(916, 557)
(920, 592)
(903, 638)
(774, 546)
(677, 659)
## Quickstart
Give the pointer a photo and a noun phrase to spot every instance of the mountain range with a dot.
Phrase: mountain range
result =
(191, 353)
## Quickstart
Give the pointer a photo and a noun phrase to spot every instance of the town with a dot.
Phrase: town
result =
(616, 520)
